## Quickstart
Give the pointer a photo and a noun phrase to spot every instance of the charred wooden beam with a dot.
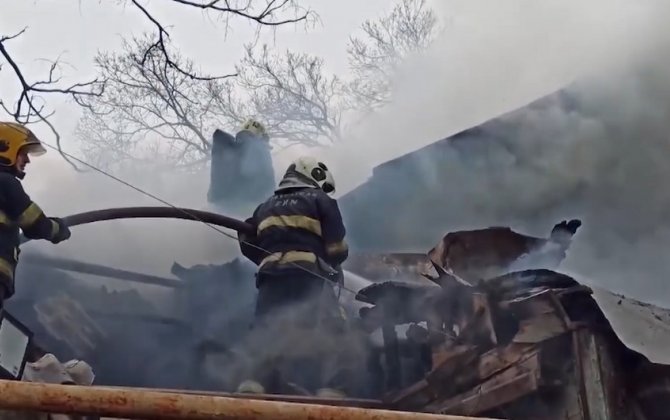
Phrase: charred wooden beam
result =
(603, 388)
(99, 270)
(391, 356)
(509, 385)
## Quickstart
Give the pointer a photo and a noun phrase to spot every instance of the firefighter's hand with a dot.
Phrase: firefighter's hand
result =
(63, 231)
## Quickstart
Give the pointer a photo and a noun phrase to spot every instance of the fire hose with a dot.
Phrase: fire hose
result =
(155, 213)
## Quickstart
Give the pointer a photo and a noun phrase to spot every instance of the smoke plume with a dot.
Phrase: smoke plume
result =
(597, 151)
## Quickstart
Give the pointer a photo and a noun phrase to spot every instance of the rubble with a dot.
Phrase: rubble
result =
(483, 334)
(515, 345)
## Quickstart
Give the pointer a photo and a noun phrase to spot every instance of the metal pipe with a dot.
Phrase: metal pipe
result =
(156, 213)
(138, 403)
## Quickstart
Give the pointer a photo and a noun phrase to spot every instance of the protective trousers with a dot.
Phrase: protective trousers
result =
(297, 329)
(3, 295)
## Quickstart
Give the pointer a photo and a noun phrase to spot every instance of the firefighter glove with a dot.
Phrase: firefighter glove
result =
(63, 232)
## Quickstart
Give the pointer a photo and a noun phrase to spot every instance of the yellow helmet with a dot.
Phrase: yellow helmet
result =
(15, 137)
(255, 128)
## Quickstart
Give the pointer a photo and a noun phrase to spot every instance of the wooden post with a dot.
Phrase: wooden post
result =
(392, 357)
(137, 403)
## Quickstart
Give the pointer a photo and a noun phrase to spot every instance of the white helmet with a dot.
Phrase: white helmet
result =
(314, 172)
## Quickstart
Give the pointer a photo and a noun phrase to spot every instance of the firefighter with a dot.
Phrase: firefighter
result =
(241, 172)
(17, 210)
(298, 247)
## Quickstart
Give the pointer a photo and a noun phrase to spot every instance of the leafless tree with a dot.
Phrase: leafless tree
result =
(30, 107)
(373, 57)
(299, 102)
(156, 103)
(151, 109)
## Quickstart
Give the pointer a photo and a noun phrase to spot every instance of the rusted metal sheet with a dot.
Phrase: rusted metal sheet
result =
(483, 253)
(486, 253)
(138, 403)
(302, 399)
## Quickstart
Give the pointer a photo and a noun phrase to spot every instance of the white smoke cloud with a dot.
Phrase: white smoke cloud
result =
(144, 245)
(490, 58)
(605, 163)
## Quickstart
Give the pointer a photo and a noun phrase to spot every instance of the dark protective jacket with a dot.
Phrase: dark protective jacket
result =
(297, 226)
(17, 210)
(241, 172)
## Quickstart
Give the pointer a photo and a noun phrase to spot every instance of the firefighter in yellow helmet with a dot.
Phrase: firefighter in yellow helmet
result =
(17, 210)
(241, 172)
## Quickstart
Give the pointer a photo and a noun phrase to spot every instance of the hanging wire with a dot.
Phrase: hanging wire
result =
(194, 217)
(340, 284)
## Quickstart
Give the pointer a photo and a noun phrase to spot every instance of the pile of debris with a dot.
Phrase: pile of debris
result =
(486, 341)
(488, 329)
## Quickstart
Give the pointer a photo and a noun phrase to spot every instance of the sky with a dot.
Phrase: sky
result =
(92, 26)
(489, 58)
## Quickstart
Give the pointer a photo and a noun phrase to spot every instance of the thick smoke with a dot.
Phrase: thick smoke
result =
(597, 152)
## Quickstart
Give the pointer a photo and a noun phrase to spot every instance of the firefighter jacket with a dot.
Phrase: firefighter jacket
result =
(17, 210)
(298, 226)
(241, 174)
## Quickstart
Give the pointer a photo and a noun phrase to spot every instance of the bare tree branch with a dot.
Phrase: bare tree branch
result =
(409, 27)
(243, 8)
(292, 94)
(149, 108)
(25, 110)
(29, 107)
(157, 108)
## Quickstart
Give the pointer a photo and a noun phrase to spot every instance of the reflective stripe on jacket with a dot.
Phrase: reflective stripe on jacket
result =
(18, 211)
(297, 227)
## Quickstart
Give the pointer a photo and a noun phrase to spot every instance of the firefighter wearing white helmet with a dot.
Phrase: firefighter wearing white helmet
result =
(298, 247)
(306, 171)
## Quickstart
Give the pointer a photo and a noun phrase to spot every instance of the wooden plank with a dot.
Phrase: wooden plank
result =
(513, 383)
(416, 395)
(593, 382)
(457, 361)
(604, 389)
(540, 328)
(446, 378)
(391, 357)
(497, 395)
(483, 308)
(501, 358)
